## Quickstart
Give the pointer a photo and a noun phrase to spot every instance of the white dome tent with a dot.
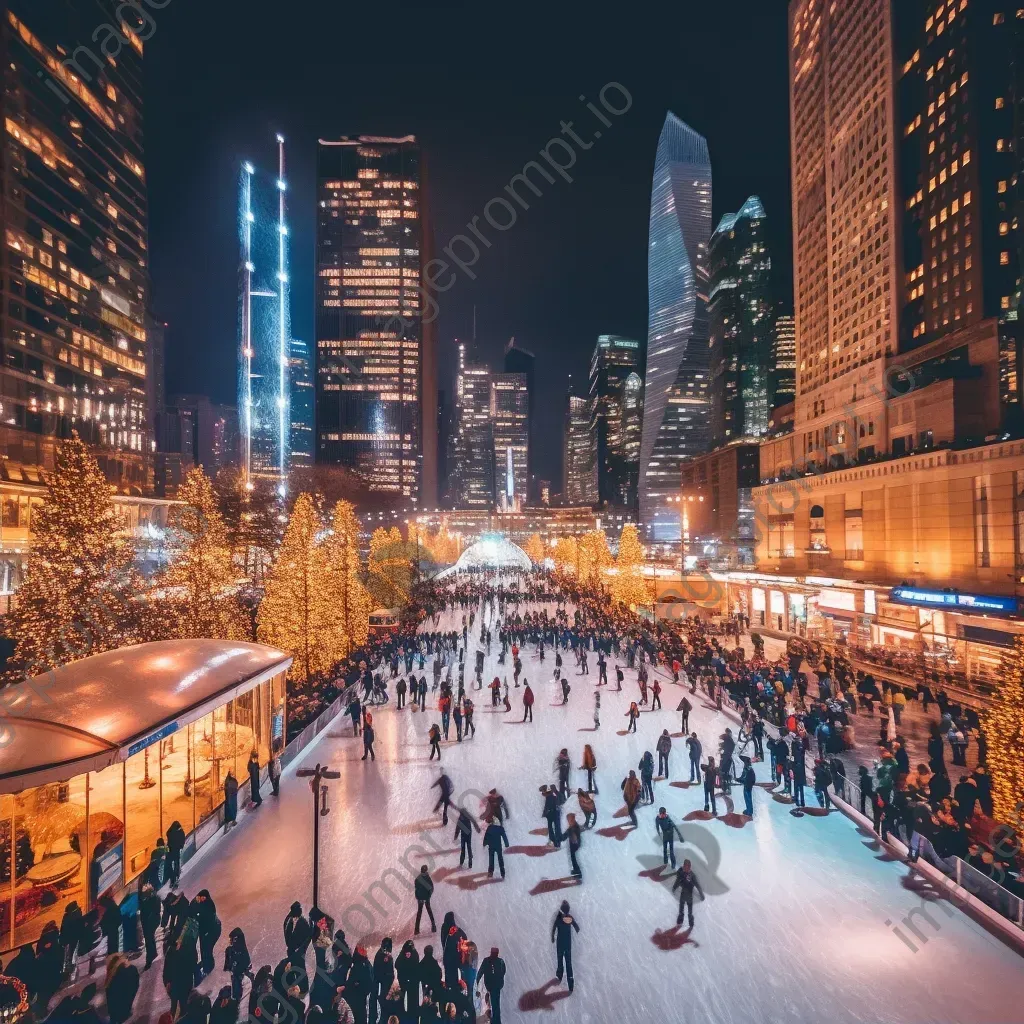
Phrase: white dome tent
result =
(491, 551)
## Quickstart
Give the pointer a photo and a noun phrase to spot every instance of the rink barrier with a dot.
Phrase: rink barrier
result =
(958, 889)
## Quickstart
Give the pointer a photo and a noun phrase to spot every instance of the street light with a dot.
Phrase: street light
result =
(320, 810)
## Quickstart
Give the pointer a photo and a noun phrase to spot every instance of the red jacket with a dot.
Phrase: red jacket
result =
(527, 697)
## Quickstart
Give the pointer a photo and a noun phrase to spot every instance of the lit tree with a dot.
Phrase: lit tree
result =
(389, 570)
(201, 580)
(298, 612)
(566, 554)
(595, 557)
(1004, 729)
(80, 595)
(349, 595)
(629, 585)
(535, 549)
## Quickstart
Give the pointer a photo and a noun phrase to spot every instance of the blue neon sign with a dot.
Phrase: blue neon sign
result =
(984, 604)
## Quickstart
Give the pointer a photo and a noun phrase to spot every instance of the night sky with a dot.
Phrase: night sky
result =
(484, 90)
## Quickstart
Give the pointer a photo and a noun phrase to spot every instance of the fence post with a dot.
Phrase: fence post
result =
(958, 873)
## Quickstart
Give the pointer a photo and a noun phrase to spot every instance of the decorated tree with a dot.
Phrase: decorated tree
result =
(535, 549)
(595, 557)
(80, 594)
(629, 585)
(1003, 723)
(389, 572)
(350, 596)
(566, 554)
(299, 612)
(200, 584)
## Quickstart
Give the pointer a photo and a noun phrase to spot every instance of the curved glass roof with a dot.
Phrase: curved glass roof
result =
(84, 716)
(492, 551)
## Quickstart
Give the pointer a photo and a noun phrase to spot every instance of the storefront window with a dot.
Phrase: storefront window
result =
(7, 856)
(106, 831)
(277, 714)
(142, 797)
(252, 727)
(176, 781)
(205, 773)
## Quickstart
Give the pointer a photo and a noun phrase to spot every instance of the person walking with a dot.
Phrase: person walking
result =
(710, 779)
(694, 749)
(686, 881)
(684, 707)
(492, 977)
(254, 779)
(237, 961)
(667, 830)
(423, 889)
(122, 985)
(632, 714)
(746, 780)
(230, 801)
(561, 934)
(464, 827)
(434, 735)
(527, 702)
(495, 838)
(664, 748)
(368, 738)
(575, 836)
(589, 766)
(274, 773)
(407, 970)
(149, 915)
(631, 790)
(298, 934)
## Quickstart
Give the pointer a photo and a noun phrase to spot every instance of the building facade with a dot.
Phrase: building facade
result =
(75, 269)
(677, 380)
(741, 323)
(519, 360)
(301, 408)
(577, 463)
(615, 383)
(783, 364)
(376, 388)
(472, 447)
(510, 419)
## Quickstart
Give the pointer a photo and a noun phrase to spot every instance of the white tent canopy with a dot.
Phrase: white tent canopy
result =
(491, 551)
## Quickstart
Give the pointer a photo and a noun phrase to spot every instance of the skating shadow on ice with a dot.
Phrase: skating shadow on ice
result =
(683, 785)
(809, 812)
(874, 843)
(543, 998)
(470, 883)
(618, 832)
(587, 728)
(538, 831)
(622, 732)
(673, 938)
(659, 873)
(782, 798)
(699, 816)
(531, 851)
(415, 827)
(546, 885)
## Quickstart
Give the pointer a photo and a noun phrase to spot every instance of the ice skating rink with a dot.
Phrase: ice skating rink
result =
(798, 924)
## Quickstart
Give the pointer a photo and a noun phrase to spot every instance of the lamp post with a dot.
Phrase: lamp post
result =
(320, 810)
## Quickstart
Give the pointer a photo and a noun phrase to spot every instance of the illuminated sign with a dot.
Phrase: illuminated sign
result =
(984, 604)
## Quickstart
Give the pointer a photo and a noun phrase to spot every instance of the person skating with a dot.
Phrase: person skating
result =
(747, 780)
(668, 831)
(631, 790)
(799, 766)
(492, 977)
(656, 694)
(646, 768)
(686, 881)
(619, 676)
(563, 766)
(495, 806)
(253, 767)
(575, 836)
(400, 691)
(602, 669)
(632, 714)
(494, 839)
(684, 707)
(590, 767)
(694, 749)
(822, 780)
(446, 787)
(566, 688)
(464, 827)
(664, 748)
(710, 780)
(237, 961)
(468, 726)
(423, 889)
(434, 735)
(597, 709)
(527, 702)
(561, 934)
(588, 807)
(552, 814)
(727, 749)
(368, 738)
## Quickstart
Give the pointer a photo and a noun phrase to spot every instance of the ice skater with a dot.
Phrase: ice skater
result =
(435, 742)
(566, 688)
(464, 833)
(664, 748)
(632, 714)
(631, 790)
(552, 814)
(527, 702)
(684, 707)
(444, 784)
(597, 709)
(686, 882)
(668, 831)
(494, 838)
(710, 779)
(561, 934)
(588, 807)
(574, 834)
(589, 766)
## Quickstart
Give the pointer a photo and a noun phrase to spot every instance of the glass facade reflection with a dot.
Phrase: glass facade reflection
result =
(677, 382)
(93, 834)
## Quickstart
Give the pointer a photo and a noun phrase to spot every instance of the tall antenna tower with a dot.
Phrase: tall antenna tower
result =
(283, 404)
(248, 219)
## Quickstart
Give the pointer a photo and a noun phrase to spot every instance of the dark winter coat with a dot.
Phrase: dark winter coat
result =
(423, 886)
(297, 932)
(495, 836)
(384, 969)
(492, 973)
(407, 966)
(121, 992)
(562, 928)
(430, 974)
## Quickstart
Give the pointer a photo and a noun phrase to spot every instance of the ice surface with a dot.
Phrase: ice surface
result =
(798, 924)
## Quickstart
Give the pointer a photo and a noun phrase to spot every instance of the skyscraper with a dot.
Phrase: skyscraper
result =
(741, 323)
(846, 221)
(376, 392)
(578, 487)
(510, 417)
(616, 462)
(783, 363)
(74, 206)
(301, 446)
(519, 360)
(473, 444)
(676, 384)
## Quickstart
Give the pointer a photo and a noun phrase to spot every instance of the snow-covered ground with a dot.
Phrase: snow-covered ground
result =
(800, 921)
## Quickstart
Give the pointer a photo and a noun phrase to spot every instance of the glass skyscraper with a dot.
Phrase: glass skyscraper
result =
(677, 384)
(616, 455)
(76, 280)
(741, 321)
(376, 391)
(300, 448)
